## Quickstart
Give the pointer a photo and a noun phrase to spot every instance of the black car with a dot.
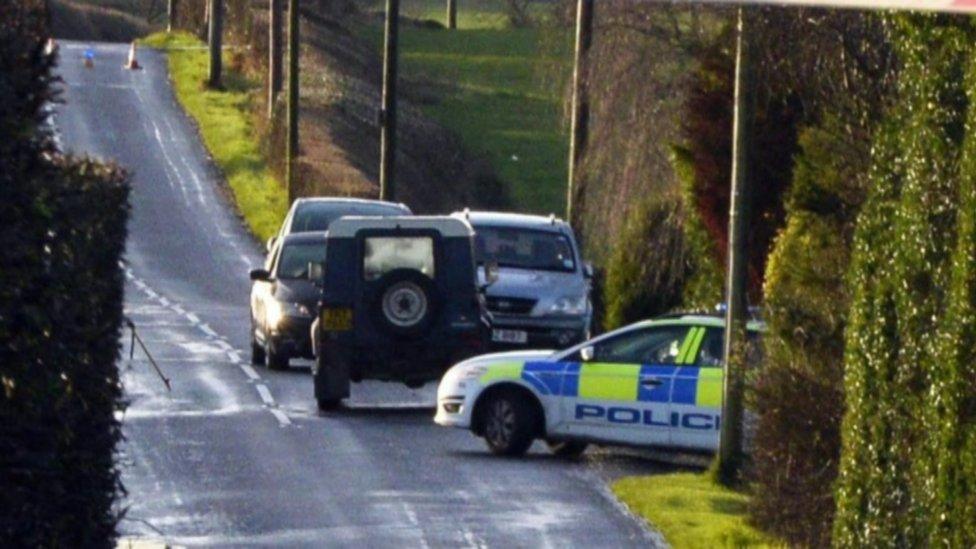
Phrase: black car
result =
(400, 302)
(313, 214)
(284, 299)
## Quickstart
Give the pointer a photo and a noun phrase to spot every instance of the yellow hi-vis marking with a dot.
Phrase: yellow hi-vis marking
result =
(505, 370)
(601, 381)
(695, 345)
(709, 390)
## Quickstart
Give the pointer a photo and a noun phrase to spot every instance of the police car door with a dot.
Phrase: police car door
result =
(696, 399)
(619, 390)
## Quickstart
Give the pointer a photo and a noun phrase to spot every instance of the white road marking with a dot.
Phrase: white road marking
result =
(219, 342)
(281, 417)
(223, 345)
(265, 394)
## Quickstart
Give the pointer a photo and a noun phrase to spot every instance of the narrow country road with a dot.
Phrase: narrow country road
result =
(236, 455)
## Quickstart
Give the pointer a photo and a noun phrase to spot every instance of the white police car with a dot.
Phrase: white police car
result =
(653, 383)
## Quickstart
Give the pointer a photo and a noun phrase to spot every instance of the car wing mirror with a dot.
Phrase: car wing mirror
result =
(270, 243)
(588, 269)
(260, 275)
(315, 272)
(491, 273)
(587, 353)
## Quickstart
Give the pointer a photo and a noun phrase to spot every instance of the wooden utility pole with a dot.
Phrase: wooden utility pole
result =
(291, 146)
(274, 58)
(730, 454)
(580, 105)
(388, 112)
(216, 30)
(452, 14)
(170, 14)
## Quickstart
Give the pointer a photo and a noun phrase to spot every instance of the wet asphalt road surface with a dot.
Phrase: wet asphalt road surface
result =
(236, 455)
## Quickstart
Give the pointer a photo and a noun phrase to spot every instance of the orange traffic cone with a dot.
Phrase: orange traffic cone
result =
(132, 64)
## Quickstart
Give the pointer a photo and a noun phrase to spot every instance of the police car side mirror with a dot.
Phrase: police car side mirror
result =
(587, 353)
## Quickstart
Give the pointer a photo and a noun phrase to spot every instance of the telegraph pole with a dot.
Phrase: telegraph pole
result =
(388, 112)
(274, 58)
(170, 14)
(452, 14)
(580, 105)
(730, 454)
(291, 146)
(215, 34)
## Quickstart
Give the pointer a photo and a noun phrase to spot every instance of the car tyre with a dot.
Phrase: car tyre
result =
(567, 448)
(404, 303)
(330, 376)
(257, 353)
(509, 424)
(277, 360)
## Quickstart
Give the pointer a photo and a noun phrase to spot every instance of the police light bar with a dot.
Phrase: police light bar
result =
(951, 6)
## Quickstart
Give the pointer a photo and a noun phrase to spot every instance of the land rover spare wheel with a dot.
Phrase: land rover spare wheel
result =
(406, 302)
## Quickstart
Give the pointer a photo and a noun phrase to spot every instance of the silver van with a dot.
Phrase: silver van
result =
(541, 298)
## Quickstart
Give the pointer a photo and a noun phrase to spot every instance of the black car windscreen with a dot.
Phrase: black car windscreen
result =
(318, 217)
(295, 258)
(524, 249)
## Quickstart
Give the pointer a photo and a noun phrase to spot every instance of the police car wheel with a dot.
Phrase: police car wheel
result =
(566, 448)
(508, 425)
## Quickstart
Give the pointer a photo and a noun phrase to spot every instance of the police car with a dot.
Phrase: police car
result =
(653, 383)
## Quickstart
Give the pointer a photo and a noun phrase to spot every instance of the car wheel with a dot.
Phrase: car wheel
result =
(257, 353)
(277, 360)
(509, 424)
(567, 448)
(330, 377)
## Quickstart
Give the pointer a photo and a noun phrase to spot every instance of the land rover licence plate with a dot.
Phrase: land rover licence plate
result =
(337, 319)
(509, 336)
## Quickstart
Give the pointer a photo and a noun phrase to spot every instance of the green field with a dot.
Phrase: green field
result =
(491, 92)
(691, 511)
(224, 119)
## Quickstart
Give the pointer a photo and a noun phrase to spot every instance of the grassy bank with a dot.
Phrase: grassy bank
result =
(224, 119)
(486, 79)
(691, 511)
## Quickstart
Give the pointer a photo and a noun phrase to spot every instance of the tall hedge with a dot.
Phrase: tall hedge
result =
(799, 392)
(62, 233)
(906, 413)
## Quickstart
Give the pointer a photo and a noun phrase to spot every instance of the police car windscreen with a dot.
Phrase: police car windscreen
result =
(318, 217)
(524, 249)
(295, 258)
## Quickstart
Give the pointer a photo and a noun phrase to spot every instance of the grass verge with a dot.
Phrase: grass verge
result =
(691, 511)
(224, 120)
(489, 91)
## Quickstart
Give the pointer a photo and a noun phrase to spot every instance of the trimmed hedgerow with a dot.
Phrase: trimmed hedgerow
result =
(903, 417)
(798, 394)
(61, 237)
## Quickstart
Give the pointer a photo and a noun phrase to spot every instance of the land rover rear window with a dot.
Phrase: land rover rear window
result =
(384, 254)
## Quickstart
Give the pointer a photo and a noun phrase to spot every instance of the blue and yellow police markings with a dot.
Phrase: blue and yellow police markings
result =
(692, 385)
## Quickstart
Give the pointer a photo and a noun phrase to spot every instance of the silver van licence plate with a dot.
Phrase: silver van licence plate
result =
(509, 336)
